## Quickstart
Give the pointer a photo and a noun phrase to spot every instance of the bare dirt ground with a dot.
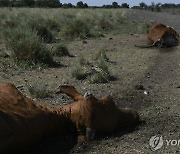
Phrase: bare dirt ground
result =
(158, 70)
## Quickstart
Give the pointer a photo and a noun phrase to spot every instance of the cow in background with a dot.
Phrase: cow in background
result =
(162, 36)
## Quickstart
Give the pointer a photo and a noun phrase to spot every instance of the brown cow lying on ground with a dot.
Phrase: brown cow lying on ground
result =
(24, 122)
(162, 36)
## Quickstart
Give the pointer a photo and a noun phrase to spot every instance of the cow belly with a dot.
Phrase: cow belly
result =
(17, 131)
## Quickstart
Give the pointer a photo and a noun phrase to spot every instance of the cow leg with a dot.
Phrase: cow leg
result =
(85, 133)
(160, 44)
(90, 134)
(157, 43)
(81, 133)
(81, 138)
(70, 91)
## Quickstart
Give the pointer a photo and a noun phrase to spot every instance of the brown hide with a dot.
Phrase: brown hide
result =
(162, 35)
(24, 122)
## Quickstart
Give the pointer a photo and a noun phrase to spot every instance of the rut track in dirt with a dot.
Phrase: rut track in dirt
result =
(163, 74)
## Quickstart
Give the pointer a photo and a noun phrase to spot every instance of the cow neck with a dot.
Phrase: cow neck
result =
(55, 110)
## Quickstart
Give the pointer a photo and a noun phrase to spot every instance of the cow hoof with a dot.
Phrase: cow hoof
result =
(87, 94)
(81, 139)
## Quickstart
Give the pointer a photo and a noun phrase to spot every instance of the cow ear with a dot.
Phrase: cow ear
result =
(70, 91)
(107, 98)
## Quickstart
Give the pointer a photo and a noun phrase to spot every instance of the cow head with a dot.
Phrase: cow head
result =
(100, 115)
(169, 38)
(106, 117)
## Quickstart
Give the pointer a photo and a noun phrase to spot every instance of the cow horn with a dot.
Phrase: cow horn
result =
(87, 94)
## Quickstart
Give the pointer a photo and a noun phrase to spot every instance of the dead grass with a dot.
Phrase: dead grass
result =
(39, 90)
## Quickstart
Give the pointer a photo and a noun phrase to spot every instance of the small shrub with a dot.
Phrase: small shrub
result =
(52, 24)
(101, 73)
(38, 90)
(76, 29)
(83, 61)
(103, 66)
(61, 50)
(78, 74)
(99, 77)
(4, 53)
(105, 24)
(26, 46)
(41, 27)
(101, 55)
(44, 34)
(8, 22)
(31, 51)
